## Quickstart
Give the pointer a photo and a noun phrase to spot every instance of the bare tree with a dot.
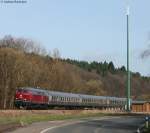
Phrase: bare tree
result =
(56, 54)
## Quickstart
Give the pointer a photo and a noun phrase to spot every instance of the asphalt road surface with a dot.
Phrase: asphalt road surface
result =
(109, 125)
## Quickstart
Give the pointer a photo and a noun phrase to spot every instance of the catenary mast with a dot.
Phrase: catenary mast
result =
(128, 65)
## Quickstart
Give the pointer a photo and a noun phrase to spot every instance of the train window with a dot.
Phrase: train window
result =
(52, 98)
(78, 99)
(89, 100)
(55, 98)
(65, 99)
(19, 90)
(25, 91)
(100, 101)
(58, 98)
(112, 101)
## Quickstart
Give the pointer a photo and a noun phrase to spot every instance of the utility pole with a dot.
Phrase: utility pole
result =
(128, 66)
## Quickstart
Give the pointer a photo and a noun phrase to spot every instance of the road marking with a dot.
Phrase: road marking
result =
(50, 128)
(47, 129)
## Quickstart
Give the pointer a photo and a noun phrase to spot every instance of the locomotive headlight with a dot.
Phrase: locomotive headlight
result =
(20, 96)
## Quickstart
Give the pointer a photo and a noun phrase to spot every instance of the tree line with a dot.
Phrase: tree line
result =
(101, 68)
(24, 63)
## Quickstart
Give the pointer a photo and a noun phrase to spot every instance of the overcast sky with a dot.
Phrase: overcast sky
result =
(82, 29)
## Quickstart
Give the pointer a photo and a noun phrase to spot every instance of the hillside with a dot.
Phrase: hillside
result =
(23, 63)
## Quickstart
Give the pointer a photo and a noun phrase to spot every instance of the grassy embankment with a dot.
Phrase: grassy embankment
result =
(31, 117)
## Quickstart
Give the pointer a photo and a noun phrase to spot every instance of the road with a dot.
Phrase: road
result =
(118, 124)
(110, 125)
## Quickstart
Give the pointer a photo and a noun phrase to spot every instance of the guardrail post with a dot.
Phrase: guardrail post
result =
(147, 122)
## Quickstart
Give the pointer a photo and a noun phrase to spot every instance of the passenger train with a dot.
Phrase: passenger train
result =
(35, 98)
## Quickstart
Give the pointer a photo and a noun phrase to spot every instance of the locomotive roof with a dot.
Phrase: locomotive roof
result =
(33, 89)
(64, 94)
(92, 96)
(102, 97)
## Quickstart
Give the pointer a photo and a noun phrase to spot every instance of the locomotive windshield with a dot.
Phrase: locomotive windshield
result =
(19, 90)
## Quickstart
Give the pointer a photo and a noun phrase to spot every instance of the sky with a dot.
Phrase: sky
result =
(91, 30)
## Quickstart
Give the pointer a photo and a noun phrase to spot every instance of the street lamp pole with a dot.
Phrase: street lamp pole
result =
(128, 66)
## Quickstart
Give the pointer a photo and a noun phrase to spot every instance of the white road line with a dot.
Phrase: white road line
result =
(48, 129)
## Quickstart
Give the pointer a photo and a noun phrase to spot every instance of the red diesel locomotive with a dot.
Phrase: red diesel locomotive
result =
(27, 97)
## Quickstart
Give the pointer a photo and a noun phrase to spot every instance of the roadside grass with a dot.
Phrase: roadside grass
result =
(29, 119)
(146, 130)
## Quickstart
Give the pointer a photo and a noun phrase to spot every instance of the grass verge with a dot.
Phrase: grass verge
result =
(28, 119)
(147, 130)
